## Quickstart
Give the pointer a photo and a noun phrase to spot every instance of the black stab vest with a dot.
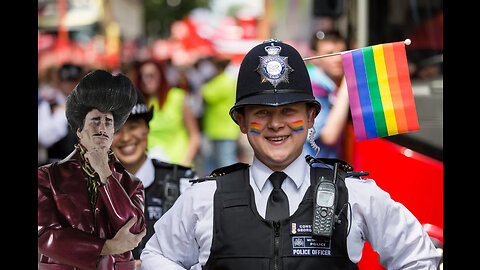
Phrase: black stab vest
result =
(242, 239)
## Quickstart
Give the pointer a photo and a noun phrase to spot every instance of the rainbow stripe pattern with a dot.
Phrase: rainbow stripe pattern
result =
(379, 91)
(297, 126)
(255, 128)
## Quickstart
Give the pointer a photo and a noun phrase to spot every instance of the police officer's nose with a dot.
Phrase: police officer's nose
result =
(276, 122)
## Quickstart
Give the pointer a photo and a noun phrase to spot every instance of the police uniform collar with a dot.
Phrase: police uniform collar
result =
(146, 173)
(295, 171)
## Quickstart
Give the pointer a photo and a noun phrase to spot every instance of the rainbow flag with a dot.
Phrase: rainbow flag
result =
(379, 91)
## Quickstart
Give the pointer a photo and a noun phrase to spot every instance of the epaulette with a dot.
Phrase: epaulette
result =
(342, 164)
(203, 179)
(228, 169)
(221, 172)
(356, 174)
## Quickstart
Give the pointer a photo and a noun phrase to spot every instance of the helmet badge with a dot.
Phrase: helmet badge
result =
(273, 67)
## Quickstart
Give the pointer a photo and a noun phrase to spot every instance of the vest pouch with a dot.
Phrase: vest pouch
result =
(232, 208)
(236, 202)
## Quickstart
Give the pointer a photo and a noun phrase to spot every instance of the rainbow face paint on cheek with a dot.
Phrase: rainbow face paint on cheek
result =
(297, 126)
(255, 128)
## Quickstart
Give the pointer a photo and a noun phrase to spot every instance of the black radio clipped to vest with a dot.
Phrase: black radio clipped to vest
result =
(326, 195)
(324, 202)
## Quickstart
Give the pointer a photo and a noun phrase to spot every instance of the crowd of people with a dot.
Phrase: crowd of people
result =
(190, 106)
(191, 126)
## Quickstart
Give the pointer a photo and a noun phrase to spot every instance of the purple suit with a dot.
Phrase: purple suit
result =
(71, 234)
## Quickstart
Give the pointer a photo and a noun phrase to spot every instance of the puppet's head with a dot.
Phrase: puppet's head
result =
(102, 91)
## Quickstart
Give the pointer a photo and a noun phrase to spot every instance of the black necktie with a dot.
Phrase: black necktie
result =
(277, 204)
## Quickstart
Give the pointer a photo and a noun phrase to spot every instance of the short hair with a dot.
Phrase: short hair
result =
(102, 91)
(332, 35)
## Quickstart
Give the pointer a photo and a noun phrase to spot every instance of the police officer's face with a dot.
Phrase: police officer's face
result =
(130, 142)
(276, 134)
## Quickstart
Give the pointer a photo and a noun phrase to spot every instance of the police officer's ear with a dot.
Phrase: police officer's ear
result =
(310, 115)
(239, 115)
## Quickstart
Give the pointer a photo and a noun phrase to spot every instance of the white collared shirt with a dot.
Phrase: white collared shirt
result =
(295, 185)
(183, 236)
(146, 173)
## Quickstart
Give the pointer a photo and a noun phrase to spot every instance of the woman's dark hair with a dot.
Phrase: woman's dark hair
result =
(102, 91)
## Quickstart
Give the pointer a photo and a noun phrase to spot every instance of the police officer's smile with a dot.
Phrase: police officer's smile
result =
(277, 137)
(277, 140)
(130, 142)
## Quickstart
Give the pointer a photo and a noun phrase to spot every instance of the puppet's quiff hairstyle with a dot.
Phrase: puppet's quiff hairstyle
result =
(102, 91)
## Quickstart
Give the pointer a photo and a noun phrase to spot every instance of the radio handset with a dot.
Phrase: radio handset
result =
(325, 199)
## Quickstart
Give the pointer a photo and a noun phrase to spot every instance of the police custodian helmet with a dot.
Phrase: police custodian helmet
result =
(273, 74)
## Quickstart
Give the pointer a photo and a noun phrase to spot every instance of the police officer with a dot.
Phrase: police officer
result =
(261, 216)
(162, 181)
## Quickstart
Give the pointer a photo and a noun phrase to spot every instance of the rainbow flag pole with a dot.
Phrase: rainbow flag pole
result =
(379, 90)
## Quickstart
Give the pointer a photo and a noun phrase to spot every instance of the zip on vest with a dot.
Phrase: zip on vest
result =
(276, 243)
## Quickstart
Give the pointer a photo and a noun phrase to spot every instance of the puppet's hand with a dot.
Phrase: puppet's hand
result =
(124, 240)
(98, 159)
